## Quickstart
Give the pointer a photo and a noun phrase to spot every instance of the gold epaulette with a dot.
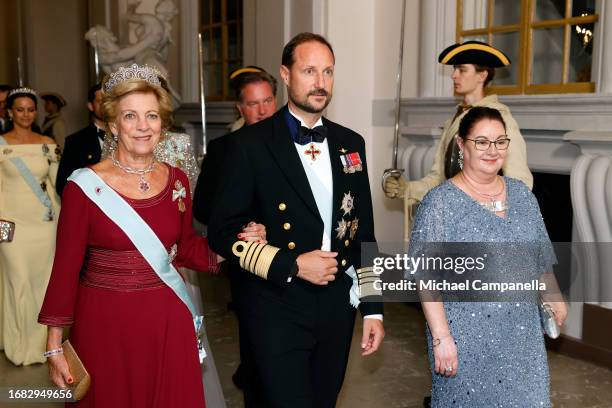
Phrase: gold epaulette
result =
(255, 257)
(366, 278)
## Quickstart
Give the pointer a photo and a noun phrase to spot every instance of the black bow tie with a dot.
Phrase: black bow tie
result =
(316, 134)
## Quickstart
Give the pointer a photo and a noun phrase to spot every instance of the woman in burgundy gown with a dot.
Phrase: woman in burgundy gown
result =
(132, 332)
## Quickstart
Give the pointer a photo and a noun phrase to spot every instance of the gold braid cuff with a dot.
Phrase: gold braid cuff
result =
(366, 278)
(255, 257)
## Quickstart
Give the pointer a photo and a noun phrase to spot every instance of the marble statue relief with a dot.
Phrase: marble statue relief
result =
(153, 37)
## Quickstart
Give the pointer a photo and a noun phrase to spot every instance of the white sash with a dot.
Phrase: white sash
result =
(141, 235)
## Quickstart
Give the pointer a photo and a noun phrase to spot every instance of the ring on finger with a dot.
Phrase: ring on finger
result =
(448, 369)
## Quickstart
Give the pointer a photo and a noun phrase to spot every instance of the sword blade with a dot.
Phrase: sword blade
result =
(202, 96)
(398, 94)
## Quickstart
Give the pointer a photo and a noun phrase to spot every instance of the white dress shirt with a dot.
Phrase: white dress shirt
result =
(320, 178)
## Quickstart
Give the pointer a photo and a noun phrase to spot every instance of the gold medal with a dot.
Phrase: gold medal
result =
(354, 226)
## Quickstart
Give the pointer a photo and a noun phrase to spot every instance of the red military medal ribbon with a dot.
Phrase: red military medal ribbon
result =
(351, 162)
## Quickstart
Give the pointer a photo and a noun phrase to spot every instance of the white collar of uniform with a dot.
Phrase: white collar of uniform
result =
(317, 123)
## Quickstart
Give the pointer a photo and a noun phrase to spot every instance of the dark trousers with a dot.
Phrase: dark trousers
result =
(300, 348)
(246, 370)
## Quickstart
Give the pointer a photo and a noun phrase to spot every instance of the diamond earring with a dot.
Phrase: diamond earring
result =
(461, 159)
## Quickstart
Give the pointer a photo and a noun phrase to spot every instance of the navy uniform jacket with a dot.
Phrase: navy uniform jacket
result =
(82, 149)
(209, 179)
(265, 182)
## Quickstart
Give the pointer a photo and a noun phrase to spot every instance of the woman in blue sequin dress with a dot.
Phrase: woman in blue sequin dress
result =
(489, 353)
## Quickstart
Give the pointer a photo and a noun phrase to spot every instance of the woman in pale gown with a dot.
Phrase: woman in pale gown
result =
(25, 263)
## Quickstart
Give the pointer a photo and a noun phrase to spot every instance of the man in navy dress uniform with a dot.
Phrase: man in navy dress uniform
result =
(305, 178)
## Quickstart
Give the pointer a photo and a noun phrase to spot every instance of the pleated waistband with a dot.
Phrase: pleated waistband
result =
(119, 270)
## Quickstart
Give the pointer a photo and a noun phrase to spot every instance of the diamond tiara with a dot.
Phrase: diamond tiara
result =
(23, 91)
(131, 73)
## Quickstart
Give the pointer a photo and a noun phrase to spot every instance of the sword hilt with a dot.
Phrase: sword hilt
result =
(397, 173)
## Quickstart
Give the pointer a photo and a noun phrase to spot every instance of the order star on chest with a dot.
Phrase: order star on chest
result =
(342, 228)
(347, 203)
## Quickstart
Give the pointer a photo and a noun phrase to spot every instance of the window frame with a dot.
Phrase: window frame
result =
(525, 27)
(207, 29)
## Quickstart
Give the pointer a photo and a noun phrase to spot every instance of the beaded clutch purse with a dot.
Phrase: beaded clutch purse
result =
(7, 230)
(81, 377)
(547, 318)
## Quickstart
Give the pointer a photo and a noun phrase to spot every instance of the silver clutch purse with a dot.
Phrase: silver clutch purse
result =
(7, 230)
(547, 318)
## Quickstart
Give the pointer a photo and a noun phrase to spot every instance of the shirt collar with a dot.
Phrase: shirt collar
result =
(302, 123)
(294, 122)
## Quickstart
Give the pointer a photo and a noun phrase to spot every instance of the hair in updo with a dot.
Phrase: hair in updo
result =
(110, 100)
(475, 115)
(11, 99)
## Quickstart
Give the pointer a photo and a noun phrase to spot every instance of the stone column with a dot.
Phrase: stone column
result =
(437, 31)
(438, 25)
(188, 31)
(605, 54)
(591, 188)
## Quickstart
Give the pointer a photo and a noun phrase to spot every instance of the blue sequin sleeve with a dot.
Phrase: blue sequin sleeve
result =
(428, 228)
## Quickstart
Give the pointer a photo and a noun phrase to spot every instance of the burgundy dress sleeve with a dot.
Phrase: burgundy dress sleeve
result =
(70, 247)
(193, 250)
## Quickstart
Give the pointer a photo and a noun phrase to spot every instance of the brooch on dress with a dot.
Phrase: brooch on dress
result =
(179, 193)
(172, 254)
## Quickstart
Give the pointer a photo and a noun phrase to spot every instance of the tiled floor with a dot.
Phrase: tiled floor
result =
(397, 376)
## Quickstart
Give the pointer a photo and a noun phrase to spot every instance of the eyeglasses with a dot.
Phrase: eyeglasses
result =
(484, 144)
